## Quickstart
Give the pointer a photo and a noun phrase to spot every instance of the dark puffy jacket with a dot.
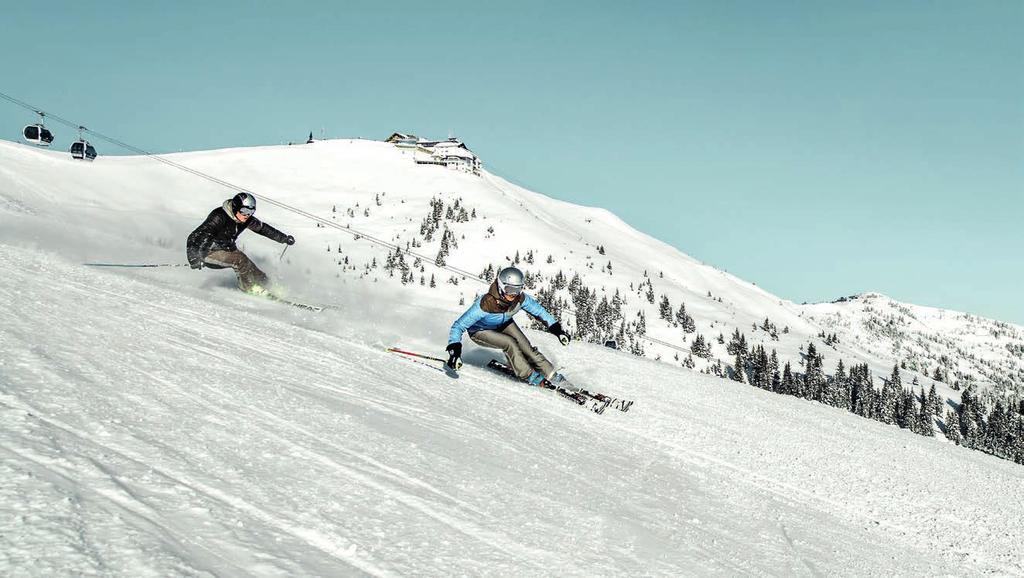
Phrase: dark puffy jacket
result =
(219, 231)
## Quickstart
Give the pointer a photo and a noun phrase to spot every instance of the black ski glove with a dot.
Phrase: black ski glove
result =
(289, 240)
(454, 356)
(563, 337)
(196, 264)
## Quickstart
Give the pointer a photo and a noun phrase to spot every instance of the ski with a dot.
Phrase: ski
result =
(577, 397)
(597, 402)
(305, 306)
(613, 403)
(622, 405)
(284, 301)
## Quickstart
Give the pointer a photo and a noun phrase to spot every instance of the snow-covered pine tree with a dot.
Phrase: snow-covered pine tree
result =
(603, 317)
(889, 399)
(924, 417)
(636, 347)
(759, 361)
(995, 438)
(814, 376)
(934, 402)
(665, 309)
(773, 367)
(906, 410)
(738, 369)
(437, 209)
(575, 283)
(836, 387)
(860, 390)
(788, 381)
(970, 429)
(546, 297)
(688, 362)
(583, 303)
(738, 342)
(953, 430)
(700, 348)
(616, 305)
(530, 280)
(558, 282)
(684, 320)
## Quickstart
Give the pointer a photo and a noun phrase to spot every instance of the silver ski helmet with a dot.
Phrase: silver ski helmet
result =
(243, 203)
(510, 281)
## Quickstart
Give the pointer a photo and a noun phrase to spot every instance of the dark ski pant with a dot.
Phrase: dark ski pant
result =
(522, 356)
(249, 275)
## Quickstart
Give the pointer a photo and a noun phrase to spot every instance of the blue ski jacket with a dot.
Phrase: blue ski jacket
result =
(476, 319)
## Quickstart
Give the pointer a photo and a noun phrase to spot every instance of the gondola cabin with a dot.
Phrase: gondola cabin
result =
(38, 135)
(82, 150)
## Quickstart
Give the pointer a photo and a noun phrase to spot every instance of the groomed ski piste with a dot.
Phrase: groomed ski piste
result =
(157, 422)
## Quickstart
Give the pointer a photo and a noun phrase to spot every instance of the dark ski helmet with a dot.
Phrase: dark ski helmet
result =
(510, 281)
(243, 203)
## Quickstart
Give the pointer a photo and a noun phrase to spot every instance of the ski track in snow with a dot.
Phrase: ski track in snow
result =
(159, 423)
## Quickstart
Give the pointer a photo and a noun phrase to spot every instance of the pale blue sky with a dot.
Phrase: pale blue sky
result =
(816, 148)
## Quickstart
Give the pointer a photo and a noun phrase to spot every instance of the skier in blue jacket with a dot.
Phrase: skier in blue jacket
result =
(489, 323)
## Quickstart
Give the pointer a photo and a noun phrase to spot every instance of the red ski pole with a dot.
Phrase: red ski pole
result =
(411, 354)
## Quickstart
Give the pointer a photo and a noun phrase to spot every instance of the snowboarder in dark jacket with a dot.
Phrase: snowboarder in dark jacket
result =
(489, 321)
(212, 244)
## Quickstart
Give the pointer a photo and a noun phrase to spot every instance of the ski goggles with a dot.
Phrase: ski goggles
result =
(511, 290)
(247, 211)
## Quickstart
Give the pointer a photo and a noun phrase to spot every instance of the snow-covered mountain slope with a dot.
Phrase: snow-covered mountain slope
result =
(157, 422)
(376, 189)
(947, 345)
(150, 429)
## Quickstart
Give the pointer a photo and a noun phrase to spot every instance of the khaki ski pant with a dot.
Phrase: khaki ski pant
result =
(522, 356)
(248, 273)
